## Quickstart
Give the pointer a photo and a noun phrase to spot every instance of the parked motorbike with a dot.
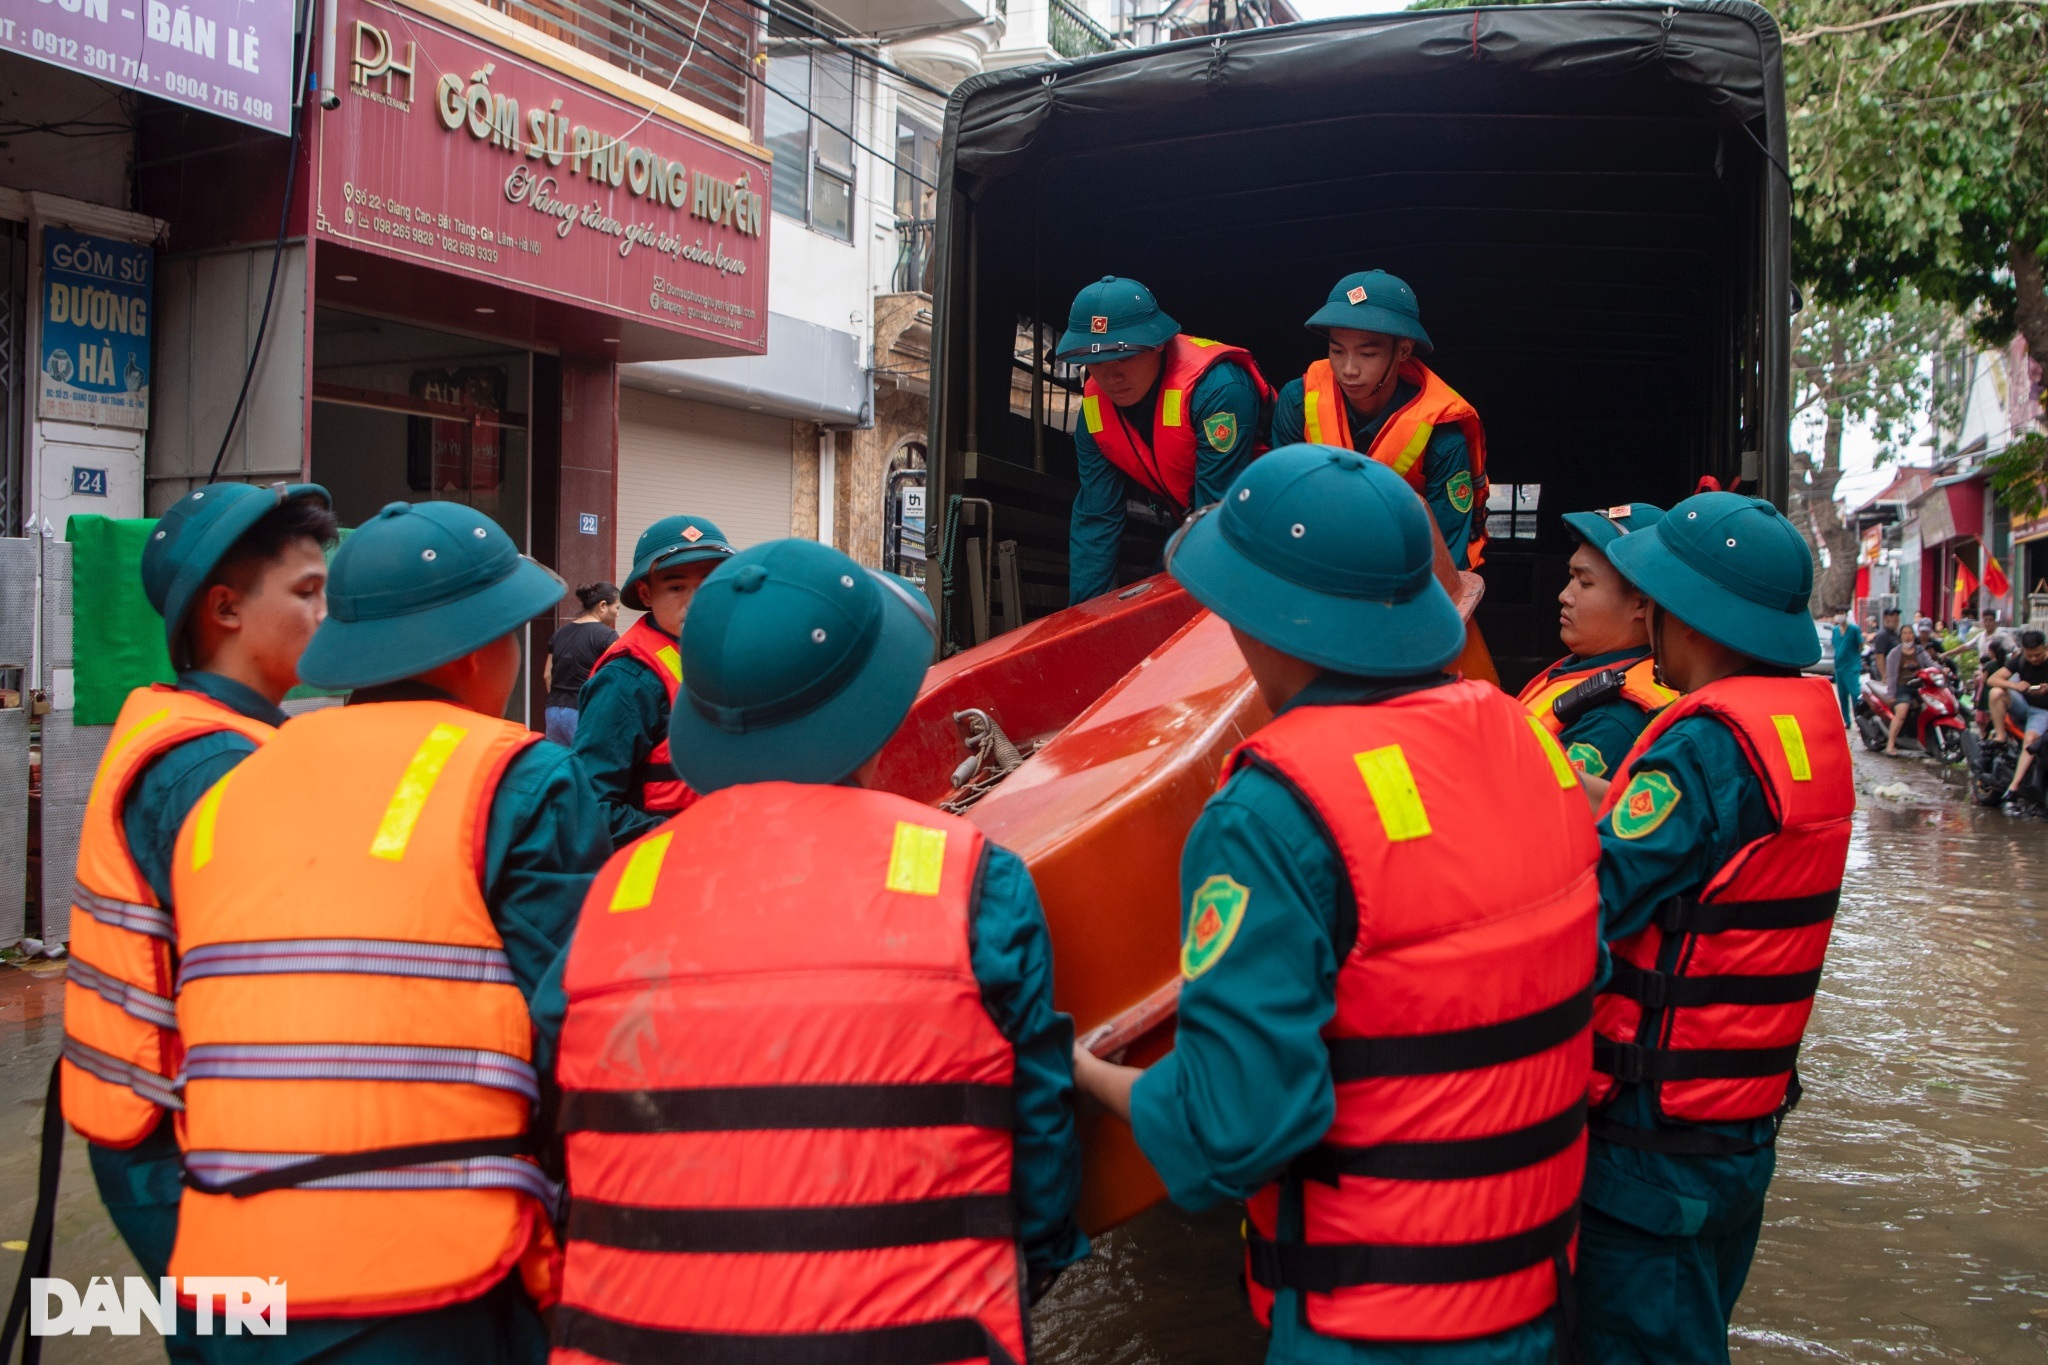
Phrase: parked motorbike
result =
(1993, 762)
(1936, 727)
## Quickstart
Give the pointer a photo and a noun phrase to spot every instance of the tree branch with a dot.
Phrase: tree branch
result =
(1800, 39)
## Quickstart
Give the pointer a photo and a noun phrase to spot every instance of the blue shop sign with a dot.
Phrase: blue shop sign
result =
(94, 365)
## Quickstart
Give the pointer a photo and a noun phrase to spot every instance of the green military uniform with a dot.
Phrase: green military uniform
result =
(545, 839)
(1375, 301)
(1600, 735)
(1224, 403)
(624, 705)
(1224, 411)
(1248, 1087)
(1446, 460)
(141, 1185)
(1667, 1237)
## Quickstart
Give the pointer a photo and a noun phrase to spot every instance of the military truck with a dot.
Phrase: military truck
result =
(1590, 200)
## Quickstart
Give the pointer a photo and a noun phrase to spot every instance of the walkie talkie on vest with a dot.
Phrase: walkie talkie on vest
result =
(1597, 690)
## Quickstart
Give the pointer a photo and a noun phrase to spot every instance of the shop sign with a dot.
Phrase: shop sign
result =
(1873, 545)
(94, 362)
(1937, 519)
(453, 153)
(229, 57)
(2033, 528)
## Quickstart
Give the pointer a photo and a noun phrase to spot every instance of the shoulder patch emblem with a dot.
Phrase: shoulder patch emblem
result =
(1221, 431)
(1646, 803)
(1214, 912)
(1459, 491)
(1587, 760)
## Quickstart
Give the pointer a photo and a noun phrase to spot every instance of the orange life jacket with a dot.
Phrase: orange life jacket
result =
(1707, 1005)
(1404, 437)
(1566, 690)
(358, 1057)
(1442, 1203)
(661, 791)
(1167, 463)
(121, 1050)
(787, 1110)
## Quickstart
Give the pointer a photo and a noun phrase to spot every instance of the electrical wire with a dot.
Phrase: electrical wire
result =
(284, 212)
(761, 81)
(789, 17)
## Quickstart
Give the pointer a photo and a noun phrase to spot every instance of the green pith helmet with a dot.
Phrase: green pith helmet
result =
(672, 540)
(1374, 301)
(1111, 319)
(798, 664)
(1327, 556)
(192, 538)
(1602, 528)
(1732, 568)
(416, 586)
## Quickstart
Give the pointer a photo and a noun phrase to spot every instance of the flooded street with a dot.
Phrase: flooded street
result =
(1909, 1218)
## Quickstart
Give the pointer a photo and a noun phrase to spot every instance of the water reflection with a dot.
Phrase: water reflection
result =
(1909, 1220)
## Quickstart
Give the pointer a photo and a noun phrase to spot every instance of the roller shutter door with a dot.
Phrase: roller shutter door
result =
(723, 463)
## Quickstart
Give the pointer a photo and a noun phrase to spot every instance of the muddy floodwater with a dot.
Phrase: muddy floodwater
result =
(1909, 1221)
(1909, 1218)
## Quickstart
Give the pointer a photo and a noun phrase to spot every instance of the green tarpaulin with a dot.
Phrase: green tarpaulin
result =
(117, 639)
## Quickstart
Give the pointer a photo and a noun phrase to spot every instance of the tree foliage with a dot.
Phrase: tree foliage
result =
(1919, 141)
(1864, 361)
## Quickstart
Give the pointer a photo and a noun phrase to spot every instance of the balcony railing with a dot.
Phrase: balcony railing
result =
(914, 239)
(712, 41)
(1072, 33)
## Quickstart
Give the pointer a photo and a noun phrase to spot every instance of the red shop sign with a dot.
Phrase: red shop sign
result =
(451, 152)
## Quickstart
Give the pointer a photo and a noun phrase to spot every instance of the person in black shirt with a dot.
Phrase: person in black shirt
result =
(2023, 686)
(572, 651)
(1886, 637)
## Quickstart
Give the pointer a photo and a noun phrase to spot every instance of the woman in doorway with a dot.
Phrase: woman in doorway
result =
(572, 652)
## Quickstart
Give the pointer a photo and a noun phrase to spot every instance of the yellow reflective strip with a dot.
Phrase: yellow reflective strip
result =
(671, 661)
(916, 859)
(1412, 452)
(1794, 741)
(394, 831)
(1311, 420)
(1202, 341)
(1559, 764)
(1392, 785)
(107, 758)
(1169, 407)
(1091, 412)
(203, 820)
(635, 890)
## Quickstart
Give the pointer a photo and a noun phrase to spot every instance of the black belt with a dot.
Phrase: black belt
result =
(1428, 1054)
(713, 1109)
(917, 1343)
(1631, 1063)
(1325, 1267)
(836, 1227)
(1683, 915)
(1664, 990)
(359, 1163)
(1459, 1159)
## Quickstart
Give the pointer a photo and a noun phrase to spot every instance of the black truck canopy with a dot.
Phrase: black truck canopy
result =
(1589, 200)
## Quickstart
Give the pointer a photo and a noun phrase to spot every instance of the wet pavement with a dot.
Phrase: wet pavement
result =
(1909, 1220)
